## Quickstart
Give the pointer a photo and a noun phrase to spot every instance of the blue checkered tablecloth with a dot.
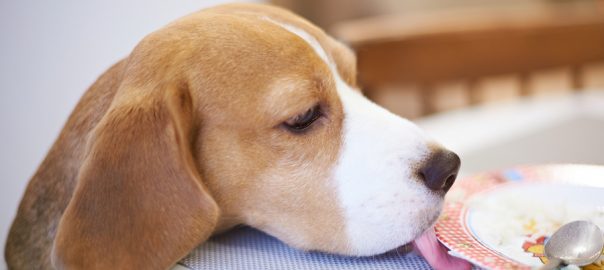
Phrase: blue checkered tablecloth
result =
(246, 248)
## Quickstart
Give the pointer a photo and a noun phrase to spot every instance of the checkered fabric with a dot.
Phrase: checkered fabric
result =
(246, 248)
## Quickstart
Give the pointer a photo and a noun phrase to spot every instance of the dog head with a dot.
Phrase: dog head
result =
(247, 114)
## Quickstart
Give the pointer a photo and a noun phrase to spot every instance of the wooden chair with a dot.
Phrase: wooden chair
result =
(427, 50)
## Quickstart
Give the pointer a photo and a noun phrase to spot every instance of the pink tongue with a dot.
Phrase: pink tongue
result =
(436, 254)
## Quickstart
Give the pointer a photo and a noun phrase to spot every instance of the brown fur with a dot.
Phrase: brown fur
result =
(182, 139)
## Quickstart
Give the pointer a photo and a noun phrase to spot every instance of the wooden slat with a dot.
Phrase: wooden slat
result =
(442, 48)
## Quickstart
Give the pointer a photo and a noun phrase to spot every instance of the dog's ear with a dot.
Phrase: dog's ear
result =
(140, 202)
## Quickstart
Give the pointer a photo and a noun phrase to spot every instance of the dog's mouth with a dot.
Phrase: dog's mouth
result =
(435, 253)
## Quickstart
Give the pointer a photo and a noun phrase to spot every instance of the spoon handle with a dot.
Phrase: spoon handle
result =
(551, 264)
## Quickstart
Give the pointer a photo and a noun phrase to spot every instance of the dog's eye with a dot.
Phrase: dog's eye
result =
(301, 122)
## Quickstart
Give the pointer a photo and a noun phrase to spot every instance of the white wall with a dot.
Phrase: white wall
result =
(50, 52)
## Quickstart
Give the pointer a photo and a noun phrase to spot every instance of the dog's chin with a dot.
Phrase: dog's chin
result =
(409, 246)
(427, 245)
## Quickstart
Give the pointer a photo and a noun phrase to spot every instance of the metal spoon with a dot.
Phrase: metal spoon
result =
(578, 242)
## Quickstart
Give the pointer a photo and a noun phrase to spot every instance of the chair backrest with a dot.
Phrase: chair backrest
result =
(468, 45)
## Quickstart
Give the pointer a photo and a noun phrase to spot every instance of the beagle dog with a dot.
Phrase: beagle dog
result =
(237, 114)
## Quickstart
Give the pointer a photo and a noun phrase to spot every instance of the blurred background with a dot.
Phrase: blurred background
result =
(421, 57)
(501, 82)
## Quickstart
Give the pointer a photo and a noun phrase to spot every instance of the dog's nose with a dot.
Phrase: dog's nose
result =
(440, 170)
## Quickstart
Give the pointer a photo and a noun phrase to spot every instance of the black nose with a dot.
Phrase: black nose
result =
(440, 170)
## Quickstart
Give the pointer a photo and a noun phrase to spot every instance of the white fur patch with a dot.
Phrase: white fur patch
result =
(385, 205)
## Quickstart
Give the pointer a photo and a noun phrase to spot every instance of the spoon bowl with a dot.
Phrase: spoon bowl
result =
(578, 243)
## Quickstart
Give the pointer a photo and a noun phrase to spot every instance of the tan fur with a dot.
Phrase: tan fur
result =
(182, 140)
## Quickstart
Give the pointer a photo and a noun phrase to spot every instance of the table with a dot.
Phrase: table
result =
(247, 248)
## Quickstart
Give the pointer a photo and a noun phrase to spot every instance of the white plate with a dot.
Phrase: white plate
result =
(500, 220)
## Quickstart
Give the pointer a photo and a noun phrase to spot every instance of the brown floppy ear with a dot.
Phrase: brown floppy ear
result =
(139, 202)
